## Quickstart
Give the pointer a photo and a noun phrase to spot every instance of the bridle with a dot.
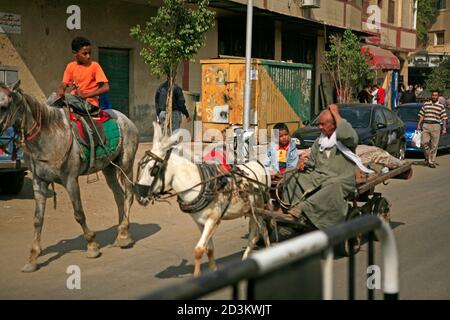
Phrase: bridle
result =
(158, 172)
(35, 128)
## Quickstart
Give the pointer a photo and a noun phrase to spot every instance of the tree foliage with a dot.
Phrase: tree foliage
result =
(426, 14)
(348, 66)
(175, 34)
(439, 79)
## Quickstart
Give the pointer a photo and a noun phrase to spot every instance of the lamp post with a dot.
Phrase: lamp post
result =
(248, 57)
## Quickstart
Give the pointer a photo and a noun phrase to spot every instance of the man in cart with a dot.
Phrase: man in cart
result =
(317, 195)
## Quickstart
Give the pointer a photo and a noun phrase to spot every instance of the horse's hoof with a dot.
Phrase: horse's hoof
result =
(30, 267)
(93, 253)
(124, 242)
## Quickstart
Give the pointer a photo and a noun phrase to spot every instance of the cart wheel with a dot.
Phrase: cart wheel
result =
(381, 208)
(354, 243)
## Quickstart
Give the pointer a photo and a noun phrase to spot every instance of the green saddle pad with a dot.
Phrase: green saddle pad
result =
(113, 137)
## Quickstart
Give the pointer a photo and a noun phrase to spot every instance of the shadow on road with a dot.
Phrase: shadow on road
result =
(395, 224)
(26, 192)
(185, 269)
(104, 238)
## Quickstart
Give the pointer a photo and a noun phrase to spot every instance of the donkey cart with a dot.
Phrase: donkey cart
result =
(364, 200)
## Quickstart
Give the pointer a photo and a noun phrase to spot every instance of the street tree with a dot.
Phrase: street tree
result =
(348, 67)
(439, 79)
(426, 15)
(174, 35)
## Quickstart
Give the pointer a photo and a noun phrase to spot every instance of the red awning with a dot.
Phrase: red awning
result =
(382, 59)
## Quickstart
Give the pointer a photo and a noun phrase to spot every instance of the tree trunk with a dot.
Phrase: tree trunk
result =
(168, 122)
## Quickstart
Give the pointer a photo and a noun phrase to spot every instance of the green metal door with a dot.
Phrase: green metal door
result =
(115, 63)
(294, 82)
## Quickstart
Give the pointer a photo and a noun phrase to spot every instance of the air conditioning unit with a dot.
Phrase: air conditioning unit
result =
(310, 4)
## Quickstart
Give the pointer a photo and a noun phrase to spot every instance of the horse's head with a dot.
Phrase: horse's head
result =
(11, 99)
(152, 168)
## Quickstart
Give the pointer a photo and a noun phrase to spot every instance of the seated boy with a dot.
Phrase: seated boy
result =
(282, 154)
(86, 77)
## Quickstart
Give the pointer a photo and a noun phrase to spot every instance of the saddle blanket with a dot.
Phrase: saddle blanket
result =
(111, 131)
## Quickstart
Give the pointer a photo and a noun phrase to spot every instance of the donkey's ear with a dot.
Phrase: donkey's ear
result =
(175, 138)
(15, 86)
(168, 142)
(157, 132)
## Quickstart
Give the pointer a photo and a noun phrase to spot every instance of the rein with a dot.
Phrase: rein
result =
(203, 182)
(35, 128)
(158, 171)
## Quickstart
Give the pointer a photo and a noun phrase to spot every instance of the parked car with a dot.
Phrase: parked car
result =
(375, 124)
(409, 113)
(12, 168)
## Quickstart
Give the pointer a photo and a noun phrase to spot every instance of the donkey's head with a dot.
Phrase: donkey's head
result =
(11, 101)
(152, 179)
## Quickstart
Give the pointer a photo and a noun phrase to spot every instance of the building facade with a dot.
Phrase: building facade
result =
(35, 41)
(429, 55)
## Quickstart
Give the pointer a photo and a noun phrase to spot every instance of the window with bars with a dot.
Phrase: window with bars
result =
(439, 38)
(441, 4)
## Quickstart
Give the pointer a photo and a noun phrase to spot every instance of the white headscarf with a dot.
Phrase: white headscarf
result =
(327, 143)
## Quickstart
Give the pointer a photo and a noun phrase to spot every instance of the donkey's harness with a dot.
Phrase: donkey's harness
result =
(214, 180)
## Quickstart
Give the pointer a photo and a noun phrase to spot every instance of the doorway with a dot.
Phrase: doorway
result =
(116, 64)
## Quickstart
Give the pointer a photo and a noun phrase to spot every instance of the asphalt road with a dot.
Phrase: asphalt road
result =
(165, 238)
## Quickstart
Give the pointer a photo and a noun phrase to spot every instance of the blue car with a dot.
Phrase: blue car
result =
(409, 113)
(12, 168)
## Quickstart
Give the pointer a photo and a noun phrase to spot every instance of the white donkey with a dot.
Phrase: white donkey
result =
(204, 192)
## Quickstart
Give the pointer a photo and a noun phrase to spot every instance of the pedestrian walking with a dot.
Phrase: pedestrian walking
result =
(433, 115)
(178, 105)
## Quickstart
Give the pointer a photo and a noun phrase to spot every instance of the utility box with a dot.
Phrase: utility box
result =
(280, 92)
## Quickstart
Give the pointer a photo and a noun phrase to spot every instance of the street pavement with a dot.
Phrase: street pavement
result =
(165, 239)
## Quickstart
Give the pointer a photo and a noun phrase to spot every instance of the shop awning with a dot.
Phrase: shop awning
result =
(382, 59)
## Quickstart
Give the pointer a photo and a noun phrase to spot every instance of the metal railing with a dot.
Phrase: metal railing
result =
(295, 265)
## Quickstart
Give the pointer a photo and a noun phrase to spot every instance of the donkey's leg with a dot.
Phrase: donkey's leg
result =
(210, 253)
(209, 250)
(253, 237)
(73, 188)
(209, 229)
(123, 202)
(40, 189)
(264, 231)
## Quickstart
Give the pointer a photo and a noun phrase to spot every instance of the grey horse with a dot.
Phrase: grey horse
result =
(53, 156)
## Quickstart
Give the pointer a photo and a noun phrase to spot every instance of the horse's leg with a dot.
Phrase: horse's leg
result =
(123, 202)
(253, 237)
(73, 188)
(40, 189)
(208, 231)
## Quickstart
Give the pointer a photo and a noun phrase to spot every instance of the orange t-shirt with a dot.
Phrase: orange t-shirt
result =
(85, 77)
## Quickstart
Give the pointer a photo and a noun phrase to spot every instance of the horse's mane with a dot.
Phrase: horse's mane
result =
(50, 116)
